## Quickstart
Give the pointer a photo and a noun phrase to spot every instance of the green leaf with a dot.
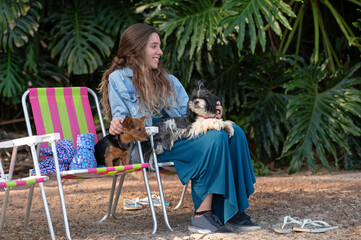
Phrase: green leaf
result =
(195, 23)
(240, 12)
(11, 74)
(19, 22)
(78, 42)
(321, 116)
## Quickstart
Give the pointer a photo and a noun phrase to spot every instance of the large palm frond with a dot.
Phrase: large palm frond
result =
(250, 12)
(18, 22)
(77, 41)
(193, 22)
(322, 118)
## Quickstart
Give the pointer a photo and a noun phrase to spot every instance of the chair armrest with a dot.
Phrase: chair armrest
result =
(30, 140)
(151, 130)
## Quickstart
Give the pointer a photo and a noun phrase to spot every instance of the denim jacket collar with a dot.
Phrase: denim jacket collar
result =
(127, 72)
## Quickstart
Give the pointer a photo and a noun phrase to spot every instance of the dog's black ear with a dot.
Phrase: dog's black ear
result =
(191, 116)
(211, 106)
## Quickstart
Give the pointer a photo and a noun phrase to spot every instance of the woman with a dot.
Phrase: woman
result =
(219, 167)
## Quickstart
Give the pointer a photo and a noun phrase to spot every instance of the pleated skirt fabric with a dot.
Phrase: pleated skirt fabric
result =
(216, 164)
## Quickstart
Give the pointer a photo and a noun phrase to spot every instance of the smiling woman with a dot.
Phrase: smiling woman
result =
(219, 167)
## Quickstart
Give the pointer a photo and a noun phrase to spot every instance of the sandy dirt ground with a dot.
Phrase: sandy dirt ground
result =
(334, 198)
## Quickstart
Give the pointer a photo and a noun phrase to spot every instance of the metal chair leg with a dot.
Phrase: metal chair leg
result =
(182, 196)
(47, 212)
(61, 192)
(120, 185)
(146, 182)
(43, 195)
(110, 201)
(160, 186)
(28, 207)
(3, 210)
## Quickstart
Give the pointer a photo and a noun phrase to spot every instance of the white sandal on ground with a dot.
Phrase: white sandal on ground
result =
(131, 205)
(311, 226)
(286, 221)
(156, 201)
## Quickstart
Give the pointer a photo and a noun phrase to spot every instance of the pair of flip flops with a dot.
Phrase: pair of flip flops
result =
(306, 225)
(137, 203)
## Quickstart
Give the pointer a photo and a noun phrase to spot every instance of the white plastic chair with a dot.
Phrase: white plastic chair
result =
(9, 181)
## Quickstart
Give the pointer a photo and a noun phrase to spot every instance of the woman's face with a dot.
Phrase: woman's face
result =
(153, 51)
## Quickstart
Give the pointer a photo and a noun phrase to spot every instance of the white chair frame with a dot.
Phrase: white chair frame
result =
(32, 142)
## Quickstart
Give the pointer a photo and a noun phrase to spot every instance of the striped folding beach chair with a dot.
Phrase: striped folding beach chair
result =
(67, 111)
(9, 181)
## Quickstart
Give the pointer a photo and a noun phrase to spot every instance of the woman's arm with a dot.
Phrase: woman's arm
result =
(118, 107)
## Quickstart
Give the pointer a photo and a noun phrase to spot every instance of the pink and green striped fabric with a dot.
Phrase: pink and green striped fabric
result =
(24, 181)
(67, 111)
(62, 110)
(104, 171)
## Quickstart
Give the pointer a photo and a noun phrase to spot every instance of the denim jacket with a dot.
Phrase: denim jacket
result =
(124, 103)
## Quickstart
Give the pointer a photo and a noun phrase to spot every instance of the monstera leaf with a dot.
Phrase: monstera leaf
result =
(78, 43)
(11, 74)
(321, 115)
(18, 22)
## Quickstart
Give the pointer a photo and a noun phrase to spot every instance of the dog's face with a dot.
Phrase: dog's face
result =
(202, 102)
(135, 128)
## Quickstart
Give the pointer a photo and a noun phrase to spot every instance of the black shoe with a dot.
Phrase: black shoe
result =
(242, 223)
(207, 223)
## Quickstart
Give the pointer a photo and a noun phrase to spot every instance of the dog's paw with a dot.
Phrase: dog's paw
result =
(229, 128)
(158, 149)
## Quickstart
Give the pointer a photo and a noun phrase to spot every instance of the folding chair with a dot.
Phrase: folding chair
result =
(67, 111)
(7, 181)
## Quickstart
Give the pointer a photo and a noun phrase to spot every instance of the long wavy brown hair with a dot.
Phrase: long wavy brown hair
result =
(153, 87)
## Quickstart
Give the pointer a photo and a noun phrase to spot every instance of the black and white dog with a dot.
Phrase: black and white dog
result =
(201, 117)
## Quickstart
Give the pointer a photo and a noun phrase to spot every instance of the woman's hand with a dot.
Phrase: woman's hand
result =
(219, 111)
(116, 126)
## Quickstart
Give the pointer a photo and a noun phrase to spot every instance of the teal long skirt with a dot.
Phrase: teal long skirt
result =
(215, 164)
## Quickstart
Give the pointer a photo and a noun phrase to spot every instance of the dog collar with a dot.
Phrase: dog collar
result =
(207, 117)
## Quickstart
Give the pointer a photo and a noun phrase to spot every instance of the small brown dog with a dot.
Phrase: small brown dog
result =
(112, 150)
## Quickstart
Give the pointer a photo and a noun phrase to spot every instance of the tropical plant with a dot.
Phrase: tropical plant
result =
(249, 12)
(265, 103)
(19, 22)
(191, 24)
(259, 168)
(77, 41)
(322, 106)
(50, 43)
(11, 74)
(323, 13)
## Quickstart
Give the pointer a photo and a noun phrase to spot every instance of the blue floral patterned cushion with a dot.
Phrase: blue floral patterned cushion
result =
(84, 156)
(65, 151)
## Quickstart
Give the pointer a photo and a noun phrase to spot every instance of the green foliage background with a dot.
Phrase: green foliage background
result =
(288, 72)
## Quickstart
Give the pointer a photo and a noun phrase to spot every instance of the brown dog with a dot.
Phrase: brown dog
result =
(113, 149)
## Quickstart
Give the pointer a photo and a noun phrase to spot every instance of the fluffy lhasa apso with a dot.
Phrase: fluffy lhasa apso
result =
(201, 117)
